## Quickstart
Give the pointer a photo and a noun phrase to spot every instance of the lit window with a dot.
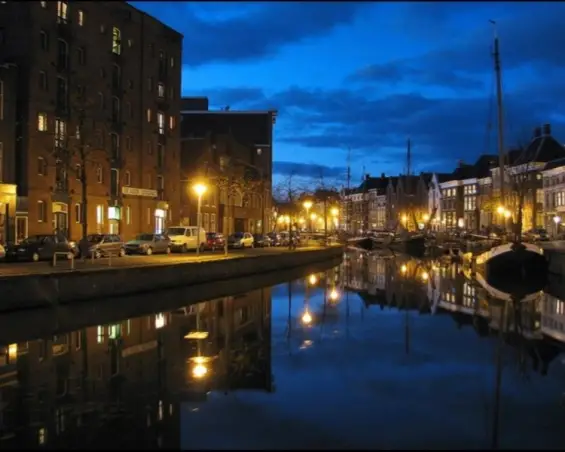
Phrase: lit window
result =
(80, 17)
(148, 115)
(127, 177)
(60, 133)
(43, 4)
(77, 213)
(171, 122)
(40, 211)
(100, 333)
(99, 214)
(161, 122)
(161, 90)
(172, 62)
(42, 122)
(160, 321)
(116, 41)
(62, 11)
(128, 215)
(99, 175)
(41, 166)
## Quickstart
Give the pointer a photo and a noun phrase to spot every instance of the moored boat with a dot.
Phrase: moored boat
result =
(513, 264)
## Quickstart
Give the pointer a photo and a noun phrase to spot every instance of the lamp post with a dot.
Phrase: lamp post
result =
(199, 189)
(308, 205)
(557, 221)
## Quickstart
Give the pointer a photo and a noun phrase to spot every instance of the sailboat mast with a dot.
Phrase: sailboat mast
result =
(408, 157)
(500, 111)
(348, 194)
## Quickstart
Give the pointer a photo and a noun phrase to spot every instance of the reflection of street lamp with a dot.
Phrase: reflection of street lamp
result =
(403, 269)
(199, 189)
(306, 318)
(426, 217)
(312, 279)
(425, 276)
(507, 214)
(334, 295)
(404, 219)
(556, 220)
(199, 371)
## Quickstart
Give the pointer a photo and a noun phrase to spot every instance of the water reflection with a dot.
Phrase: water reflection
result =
(386, 353)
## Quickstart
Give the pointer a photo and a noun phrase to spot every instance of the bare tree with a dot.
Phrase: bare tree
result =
(327, 194)
(73, 136)
(288, 189)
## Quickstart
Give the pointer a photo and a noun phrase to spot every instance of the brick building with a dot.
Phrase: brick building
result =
(92, 101)
(231, 152)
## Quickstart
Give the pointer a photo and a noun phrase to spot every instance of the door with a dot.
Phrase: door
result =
(60, 221)
(239, 225)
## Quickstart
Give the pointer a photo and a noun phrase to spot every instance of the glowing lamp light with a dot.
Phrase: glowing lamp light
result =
(426, 217)
(335, 211)
(307, 204)
(312, 279)
(199, 189)
(425, 276)
(500, 210)
(507, 214)
(557, 219)
(403, 269)
(313, 216)
(334, 295)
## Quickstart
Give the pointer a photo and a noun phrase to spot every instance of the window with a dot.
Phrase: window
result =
(80, 17)
(115, 109)
(62, 54)
(160, 155)
(1, 100)
(172, 62)
(43, 4)
(61, 98)
(171, 92)
(128, 215)
(41, 166)
(62, 12)
(116, 41)
(171, 122)
(148, 215)
(162, 64)
(42, 122)
(42, 81)
(60, 133)
(99, 214)
(130, 43)
(1, 162)
(161, 90)
(43, 40)
(41, 211)
(81, 52)
(101, 101)
(78, 218)
(148, 115)
(114, 182)
(102, 28)
(127, 179)
(150, 84)
(115, 144)
(150, 148)
(128, 143)
(99, 175)
(116, 76)
(161, 122)
(213, 222)
(160, 183)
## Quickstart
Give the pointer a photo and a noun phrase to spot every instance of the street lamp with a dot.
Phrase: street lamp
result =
(308, 205)
(199, 189)
(556, 220)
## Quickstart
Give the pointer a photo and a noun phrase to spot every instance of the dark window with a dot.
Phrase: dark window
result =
(115, 109)
(43, 40)
(61, 93)
(115, 146)
(62, 54)
(81, 56)
(114, 182)
(43, 81)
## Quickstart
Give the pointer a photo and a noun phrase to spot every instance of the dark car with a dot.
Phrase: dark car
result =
(215, 241)
(105, 244)
(276, 239)
(262, 240)
(39, 247)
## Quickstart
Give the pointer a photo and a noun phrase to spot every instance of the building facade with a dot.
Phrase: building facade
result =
(92, 138)
(231, 153)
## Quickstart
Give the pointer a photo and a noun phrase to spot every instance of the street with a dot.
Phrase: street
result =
(63, 265)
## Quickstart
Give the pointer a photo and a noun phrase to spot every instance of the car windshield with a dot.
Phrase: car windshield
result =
(34, 239)
(175, 231)
(145, 237)
(95, 238)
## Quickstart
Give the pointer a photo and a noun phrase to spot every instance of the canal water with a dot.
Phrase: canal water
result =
(373, 354)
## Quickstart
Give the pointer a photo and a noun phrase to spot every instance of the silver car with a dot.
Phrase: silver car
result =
(149, 244)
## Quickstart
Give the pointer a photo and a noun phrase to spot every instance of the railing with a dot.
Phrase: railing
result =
(68, 255)
(109, 255)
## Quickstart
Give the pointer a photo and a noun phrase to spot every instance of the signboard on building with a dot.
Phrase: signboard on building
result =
(144, 192)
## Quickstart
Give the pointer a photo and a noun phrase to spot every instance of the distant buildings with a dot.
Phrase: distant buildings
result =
(468, 198)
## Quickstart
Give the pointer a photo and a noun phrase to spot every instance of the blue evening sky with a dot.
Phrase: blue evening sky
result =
(366, 76)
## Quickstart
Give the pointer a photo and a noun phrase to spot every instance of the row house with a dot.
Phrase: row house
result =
(553, 194)
(407, 201)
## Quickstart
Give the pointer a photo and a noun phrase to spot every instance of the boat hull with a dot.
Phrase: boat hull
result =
(413, 246)
(514, 266)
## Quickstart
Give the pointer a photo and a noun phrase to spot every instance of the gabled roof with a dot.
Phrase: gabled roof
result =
(541, 149)
(554, 164)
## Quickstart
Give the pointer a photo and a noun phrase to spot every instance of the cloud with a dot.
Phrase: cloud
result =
(259, 31)
(308, 170)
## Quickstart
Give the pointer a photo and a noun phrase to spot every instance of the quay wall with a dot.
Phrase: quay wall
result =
(43, 290)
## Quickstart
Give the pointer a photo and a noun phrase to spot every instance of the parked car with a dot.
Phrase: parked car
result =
(276, 239)
(186, 238)
(537, 235)
(215, 241)
(149, 244)
(240, 240)
(105, 244)
(2, 252)
(284, 238)
(261, 240)
(39, 247)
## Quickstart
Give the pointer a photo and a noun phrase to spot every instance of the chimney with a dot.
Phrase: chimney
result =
(383, 176)
(367, 176)
(537, 132)
(461, 163)
(546, 130)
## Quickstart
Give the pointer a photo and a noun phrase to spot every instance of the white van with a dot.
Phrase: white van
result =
(185, 238)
